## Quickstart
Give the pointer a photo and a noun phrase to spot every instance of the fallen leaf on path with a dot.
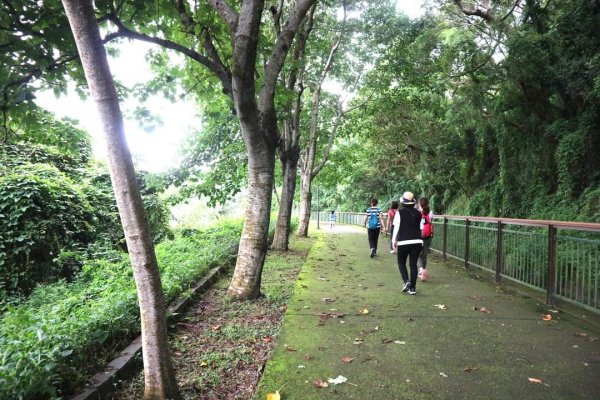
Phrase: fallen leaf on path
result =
(546, 317)
(358, 341)
(586, 336)
(288, 348)
(216, 327)
(267, 339)
(203, 364)
(386, 341)
(320, 384)
(364, 311)
(485, 310)
(323, 279)
(441, 306)
(327, 300)
(274, 396)
(338, 380)
(347, 359)
(443, 375)
(469, 369)
(535, 380)
(399, 342)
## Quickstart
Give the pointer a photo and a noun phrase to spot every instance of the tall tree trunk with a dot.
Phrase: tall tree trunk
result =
(246, 280)
(305, 204)
(289, 162)
(160, 380)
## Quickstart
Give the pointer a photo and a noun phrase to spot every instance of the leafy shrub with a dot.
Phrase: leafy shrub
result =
(42, 213)
(47, 341)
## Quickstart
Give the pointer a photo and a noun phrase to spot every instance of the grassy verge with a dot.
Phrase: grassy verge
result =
(51, 343)
(220, 348)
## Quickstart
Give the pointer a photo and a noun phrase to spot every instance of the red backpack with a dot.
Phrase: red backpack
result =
(427, 231)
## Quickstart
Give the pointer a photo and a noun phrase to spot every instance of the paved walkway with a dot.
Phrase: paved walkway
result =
(460, 337)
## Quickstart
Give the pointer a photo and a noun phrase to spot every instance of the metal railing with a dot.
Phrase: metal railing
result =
(559, 258)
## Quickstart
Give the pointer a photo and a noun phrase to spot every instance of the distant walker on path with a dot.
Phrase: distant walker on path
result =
(373, 222)
(332, 219)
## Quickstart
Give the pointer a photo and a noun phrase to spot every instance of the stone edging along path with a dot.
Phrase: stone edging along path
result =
(128, 361)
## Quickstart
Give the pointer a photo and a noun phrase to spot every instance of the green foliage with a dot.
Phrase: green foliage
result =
(42, 213)
(47, 342)
(500, 121)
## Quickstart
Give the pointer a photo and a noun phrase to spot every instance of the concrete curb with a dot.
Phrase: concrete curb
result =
(129, 360)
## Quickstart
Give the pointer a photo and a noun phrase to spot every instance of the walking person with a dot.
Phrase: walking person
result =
(407, 240)
(332, 219)
(389, 224)
(427, 235)
(373, 222)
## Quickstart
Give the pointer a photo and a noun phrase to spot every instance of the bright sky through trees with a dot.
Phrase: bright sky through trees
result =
(158, 150)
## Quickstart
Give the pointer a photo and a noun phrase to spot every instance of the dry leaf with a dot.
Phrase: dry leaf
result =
(443, 375)
(320, 384)
(386, 341)
(546, 317)
(203, 364)
(358, 341)
(469, 369)
(485, 310)
(535, 380)
(289, 348)
(267, 339)
(586, 336)
(399, 342)
(441, 306)
(274, 396)
(364, 311)
(308, 357)
(347, 359)
(216, 327)
(338, 380)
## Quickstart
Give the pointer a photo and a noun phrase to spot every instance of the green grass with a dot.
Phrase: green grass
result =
(65, 331)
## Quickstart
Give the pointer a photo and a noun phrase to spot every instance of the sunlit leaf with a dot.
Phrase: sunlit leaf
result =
(347, 359)
(274, 396)
(535, 380)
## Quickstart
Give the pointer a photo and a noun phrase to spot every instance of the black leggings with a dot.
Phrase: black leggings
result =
(404, 252)
(373, 237)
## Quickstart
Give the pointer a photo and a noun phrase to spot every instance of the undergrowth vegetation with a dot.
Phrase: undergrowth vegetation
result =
(48, 341)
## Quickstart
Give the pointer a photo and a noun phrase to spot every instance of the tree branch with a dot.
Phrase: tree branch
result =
(215, 67)
(226, 13)
(477, 11)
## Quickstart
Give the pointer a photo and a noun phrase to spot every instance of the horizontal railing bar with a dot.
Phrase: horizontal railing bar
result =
(584, 226)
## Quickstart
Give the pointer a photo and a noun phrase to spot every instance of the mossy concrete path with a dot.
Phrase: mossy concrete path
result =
(460, 337)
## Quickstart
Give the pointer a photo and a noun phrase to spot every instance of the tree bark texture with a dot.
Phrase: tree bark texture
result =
(258, 122)
(289, 163)
(160, 380)
(305, 204)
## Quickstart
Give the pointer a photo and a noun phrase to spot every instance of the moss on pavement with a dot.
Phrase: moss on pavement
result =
(460, 337)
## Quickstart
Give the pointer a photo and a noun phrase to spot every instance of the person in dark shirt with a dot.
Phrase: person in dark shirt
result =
(407, 240)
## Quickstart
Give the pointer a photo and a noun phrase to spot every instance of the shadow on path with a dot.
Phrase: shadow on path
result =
(460, 337)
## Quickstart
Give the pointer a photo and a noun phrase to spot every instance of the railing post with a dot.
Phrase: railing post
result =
(499, 253)
(467, 243)
(445, 239)
(551, 288)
